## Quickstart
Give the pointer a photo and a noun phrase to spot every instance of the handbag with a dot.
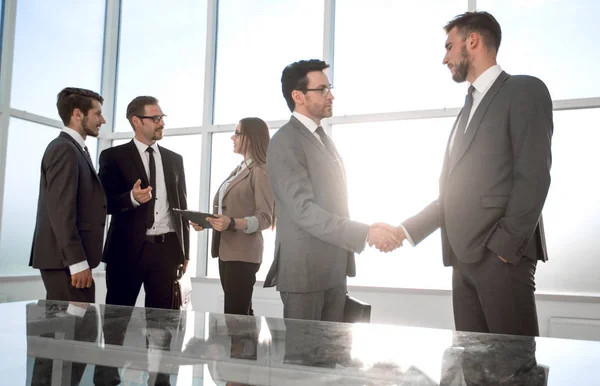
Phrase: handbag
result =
(182, 291)
(356, 311)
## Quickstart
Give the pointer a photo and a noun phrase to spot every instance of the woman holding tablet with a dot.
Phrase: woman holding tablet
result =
(244, 206)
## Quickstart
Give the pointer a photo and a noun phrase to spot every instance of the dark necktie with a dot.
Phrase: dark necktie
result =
(327, 142)
(461, 128)
(87, 152)
(150, 212)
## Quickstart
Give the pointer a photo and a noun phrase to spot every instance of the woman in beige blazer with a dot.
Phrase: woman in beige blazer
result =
(244, 206)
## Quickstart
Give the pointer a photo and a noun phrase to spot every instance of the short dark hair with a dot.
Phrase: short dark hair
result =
(481, 22)
(138, 105)
(71, 98)
(294, 77)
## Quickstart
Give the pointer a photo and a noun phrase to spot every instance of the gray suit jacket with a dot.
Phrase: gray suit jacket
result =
(315, 240)
(493, 187)
(71, 209)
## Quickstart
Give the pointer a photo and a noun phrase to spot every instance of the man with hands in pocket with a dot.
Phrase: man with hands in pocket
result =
(493, 185)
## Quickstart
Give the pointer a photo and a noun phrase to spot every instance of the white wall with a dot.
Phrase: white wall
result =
(410, 307)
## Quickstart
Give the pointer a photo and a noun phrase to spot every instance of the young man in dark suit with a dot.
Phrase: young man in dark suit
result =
(69, 230)
(146, 241)
(494, 182)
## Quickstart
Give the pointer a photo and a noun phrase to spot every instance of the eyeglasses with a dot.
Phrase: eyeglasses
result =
(323, 90)
(155, 118)
(237, 133)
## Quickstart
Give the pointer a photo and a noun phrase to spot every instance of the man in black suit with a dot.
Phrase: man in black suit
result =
(69, 229)
(494, 182)
(146, 241)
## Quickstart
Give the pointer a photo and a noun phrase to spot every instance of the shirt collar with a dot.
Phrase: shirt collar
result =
(75, 135)
(142, 146)
(243, 166)
(485, 80)
(306, 121)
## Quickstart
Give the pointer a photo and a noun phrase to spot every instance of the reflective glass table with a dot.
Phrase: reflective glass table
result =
(57, 343)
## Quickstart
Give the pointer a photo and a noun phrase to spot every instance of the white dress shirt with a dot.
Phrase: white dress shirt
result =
(82, 265)
(482, 84)
(251, 221)
(312, 127)
(308, 123)
(162, 218)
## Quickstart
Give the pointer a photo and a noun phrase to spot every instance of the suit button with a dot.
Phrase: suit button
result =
(224, 207)
(103, 206)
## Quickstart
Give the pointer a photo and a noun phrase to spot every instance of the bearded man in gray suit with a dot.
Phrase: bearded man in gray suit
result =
(315, 240)
(493, 186)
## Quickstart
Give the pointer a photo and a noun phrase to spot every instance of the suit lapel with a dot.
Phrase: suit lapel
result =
(336, 163)
(477, 118)
(245, 173)
(87, 159)
(137, 161)
(169, 175)
(310, 136)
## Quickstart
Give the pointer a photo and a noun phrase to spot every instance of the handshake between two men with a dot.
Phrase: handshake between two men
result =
(385, 237)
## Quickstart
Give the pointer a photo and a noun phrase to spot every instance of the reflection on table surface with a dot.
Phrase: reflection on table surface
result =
(58, 343)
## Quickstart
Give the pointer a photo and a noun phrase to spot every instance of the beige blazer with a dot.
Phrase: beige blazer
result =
(249, 194)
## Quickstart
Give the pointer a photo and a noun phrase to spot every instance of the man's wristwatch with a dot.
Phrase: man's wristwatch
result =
(231, 226)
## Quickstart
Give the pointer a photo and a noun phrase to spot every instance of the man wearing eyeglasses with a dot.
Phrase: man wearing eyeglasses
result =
(146, 241)
(315, 239)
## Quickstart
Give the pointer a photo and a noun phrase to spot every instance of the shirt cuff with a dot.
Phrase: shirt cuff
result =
(252, 224)
(72, 309)
(133, 200)
(78, 267)
(407, 235)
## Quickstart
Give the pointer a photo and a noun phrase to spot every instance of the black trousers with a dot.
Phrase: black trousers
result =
(495, 297)
(58, 287)
(238, 279)
(156, 269)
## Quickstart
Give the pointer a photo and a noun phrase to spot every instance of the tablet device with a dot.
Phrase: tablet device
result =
(195, 217)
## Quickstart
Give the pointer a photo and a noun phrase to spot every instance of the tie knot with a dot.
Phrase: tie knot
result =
(150, 149)
(471, 90)
(321, 133)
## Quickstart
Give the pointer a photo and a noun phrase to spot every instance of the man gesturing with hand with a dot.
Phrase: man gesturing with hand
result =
(141, 195)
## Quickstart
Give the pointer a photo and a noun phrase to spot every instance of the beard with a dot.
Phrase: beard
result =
(462, 69)
(158, 134)
(88, 129)
(320, 112)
